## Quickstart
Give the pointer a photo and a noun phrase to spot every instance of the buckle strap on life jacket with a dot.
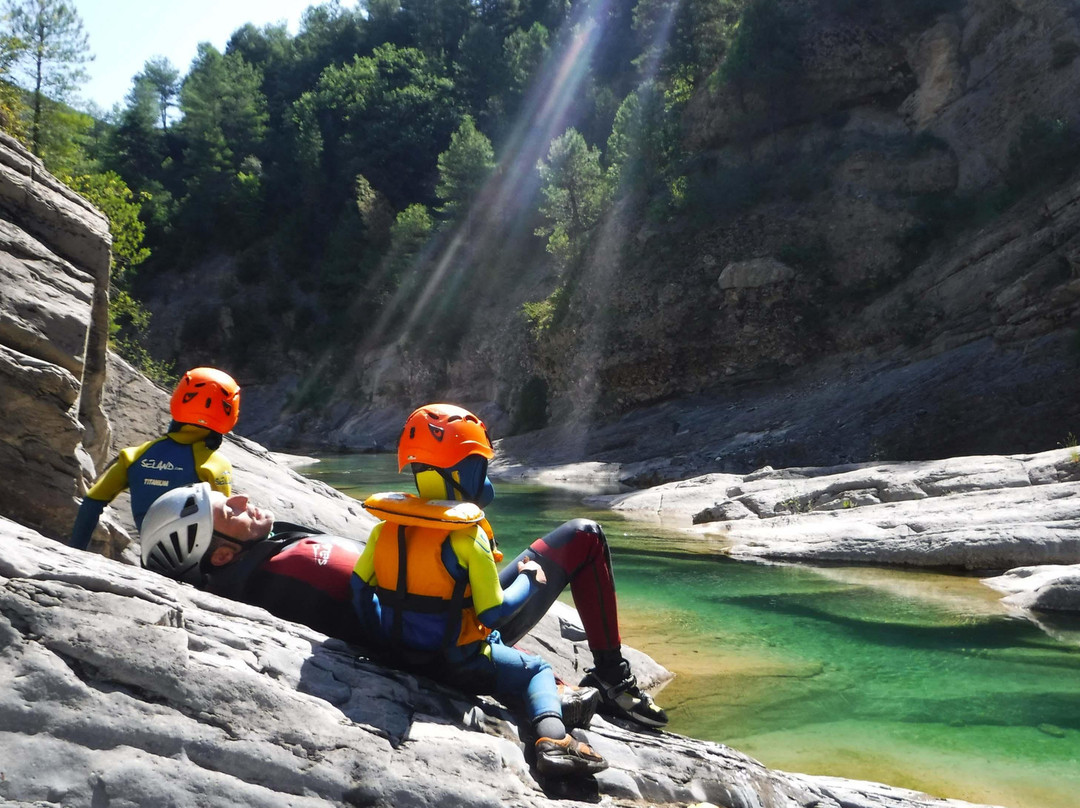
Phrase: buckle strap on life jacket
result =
(401, 600)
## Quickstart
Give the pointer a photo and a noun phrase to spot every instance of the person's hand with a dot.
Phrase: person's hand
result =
(534, 568)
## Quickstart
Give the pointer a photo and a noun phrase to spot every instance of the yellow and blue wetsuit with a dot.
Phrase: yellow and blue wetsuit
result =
(441, 614)
(180, 457)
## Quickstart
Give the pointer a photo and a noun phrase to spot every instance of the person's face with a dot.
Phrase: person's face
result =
(238, 519)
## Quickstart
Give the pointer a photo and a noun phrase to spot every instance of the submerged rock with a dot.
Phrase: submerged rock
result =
(122, 687)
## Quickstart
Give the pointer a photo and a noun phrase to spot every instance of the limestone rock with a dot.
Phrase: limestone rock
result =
(121, 686)
(39, 442)
(754, 273)
(1047, 588)
(973, 513)
(54, 271)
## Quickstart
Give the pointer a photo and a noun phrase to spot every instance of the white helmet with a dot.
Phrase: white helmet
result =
(176, 532)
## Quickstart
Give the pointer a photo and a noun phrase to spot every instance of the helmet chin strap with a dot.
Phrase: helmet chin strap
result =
(453, 486)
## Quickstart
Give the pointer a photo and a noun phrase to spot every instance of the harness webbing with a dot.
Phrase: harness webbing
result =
(401, 600)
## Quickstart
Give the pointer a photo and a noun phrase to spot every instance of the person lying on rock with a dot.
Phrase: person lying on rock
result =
(204, 406)
(426, 586)
(226, 545)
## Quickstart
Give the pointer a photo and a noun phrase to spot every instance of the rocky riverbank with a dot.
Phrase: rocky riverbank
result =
(120, 685)
(1017, 514)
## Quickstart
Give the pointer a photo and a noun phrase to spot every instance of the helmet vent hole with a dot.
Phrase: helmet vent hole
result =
(174, 537)
(190, 507)
(192, 534)
(437, 432)
(412, 432)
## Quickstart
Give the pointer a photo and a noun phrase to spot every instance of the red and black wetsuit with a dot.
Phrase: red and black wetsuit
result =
(575, 553)
(297, 574)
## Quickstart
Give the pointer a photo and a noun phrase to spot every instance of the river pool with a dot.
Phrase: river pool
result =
(917, 679)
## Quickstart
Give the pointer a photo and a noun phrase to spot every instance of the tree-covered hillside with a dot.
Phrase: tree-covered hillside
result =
(375, 177)
(528, 203)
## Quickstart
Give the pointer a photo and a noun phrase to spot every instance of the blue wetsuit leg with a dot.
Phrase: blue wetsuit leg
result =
(507, 673)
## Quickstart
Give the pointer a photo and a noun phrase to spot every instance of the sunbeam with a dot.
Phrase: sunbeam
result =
(506, 203)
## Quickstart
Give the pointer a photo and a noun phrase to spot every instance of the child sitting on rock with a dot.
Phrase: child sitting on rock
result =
(427, 589)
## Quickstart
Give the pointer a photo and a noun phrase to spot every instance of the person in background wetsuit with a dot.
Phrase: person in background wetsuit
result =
(428, 587)
(204, 406)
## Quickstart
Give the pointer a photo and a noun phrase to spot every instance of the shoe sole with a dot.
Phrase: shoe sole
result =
(567, 767)
(618, 712)
(578, 712)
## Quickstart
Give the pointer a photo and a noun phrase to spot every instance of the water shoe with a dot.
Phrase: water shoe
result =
(622, 698)
(568, 757)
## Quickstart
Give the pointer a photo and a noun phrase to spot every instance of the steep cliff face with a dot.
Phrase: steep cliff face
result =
(54, 275)
(894, 229)
(879, 258)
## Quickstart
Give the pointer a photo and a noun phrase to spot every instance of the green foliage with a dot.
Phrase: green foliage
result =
(224, 113)
(411, 229)
(382, 116)
(163, 79)
(12, 105)
(524, 51)
(56, 48)
(137, 146)
(375, 212)
(643, 148)
(540, 314)
(683, 42)
(463, 167)
(128, 320)
(224, 125)
(410, 232)
(63, 139)
(109, 194)
(574, 193)
(437, 26)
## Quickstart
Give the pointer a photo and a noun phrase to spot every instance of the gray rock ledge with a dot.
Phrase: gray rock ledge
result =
(976, 513)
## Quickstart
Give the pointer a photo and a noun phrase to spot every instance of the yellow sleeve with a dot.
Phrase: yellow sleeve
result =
(214, 468)
(109, 485)
(365, 565)
(473, 549)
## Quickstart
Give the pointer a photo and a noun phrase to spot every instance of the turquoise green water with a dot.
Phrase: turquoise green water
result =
(914, 679)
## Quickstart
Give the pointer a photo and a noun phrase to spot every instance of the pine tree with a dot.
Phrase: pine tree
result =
(463, 168)
(56, 50)
(160, 74)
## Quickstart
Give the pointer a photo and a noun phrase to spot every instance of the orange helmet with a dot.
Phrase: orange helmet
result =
(206, 397)
(442, 435)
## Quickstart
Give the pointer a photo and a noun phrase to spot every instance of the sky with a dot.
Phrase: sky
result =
(123, 34)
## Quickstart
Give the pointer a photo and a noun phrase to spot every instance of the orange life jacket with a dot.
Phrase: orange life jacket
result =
(415, 538)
